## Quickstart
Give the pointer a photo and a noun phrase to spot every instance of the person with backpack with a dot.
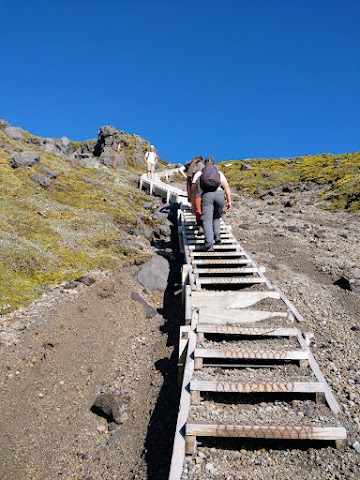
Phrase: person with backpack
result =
(211, 185)
(188, 171)
(150, 160)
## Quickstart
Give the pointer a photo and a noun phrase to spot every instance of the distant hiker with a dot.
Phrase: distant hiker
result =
(211, 189)
(150, 160)
(116, 157)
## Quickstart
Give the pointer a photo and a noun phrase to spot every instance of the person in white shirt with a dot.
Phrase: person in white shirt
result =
(150, 160)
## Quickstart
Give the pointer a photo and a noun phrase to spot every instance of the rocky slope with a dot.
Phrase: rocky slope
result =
(107, 334)
(64, 212)
(314, 257)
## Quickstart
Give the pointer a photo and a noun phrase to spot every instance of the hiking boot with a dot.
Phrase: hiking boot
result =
(217, 240)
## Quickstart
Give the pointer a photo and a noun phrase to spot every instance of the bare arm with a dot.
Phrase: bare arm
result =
(182, 171)
(193, 195)
(226, 188)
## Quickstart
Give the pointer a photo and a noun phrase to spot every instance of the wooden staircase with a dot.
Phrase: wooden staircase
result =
(241, 349)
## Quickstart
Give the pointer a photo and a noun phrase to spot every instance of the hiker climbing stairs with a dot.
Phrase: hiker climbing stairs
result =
(245, 367)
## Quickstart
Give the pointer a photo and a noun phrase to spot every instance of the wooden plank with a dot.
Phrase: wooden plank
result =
(223, 235)
(230, 299)
(224, 255)
(256, 387)
(248, 331)
(235, 315)
(224, 232)
(188, 300)
(183, 342)
(220, 261)
(200, 239)
(191, 226)
(185, 269)
(231, 280)
(239, 365)
(199, 245)
(295, 432)
(330, 397)
(209, 271)
(178, 452)
(296, 314)
(252, 354)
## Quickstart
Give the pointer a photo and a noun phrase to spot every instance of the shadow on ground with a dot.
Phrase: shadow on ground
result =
(161, 431)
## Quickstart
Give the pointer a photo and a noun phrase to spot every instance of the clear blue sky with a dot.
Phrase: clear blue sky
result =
(232, 79)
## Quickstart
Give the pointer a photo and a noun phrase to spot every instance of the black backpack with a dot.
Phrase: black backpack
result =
(210, 178)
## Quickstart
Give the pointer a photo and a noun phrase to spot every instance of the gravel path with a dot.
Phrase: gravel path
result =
(73, 344)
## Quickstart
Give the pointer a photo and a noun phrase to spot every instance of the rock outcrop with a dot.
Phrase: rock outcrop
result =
(91, 153)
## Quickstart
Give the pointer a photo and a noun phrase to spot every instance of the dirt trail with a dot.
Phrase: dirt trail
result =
(76, 345)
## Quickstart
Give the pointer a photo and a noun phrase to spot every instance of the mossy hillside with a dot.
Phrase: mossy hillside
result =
(338, 177)
(86, 220)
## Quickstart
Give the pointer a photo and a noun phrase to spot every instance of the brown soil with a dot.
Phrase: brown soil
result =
(71, 345)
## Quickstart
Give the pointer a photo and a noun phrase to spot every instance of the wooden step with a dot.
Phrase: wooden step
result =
(200, 239)
(190, 226)
(288, 432)
(209, 271)
(229, 299)
(256, 387)
(193, 230)
(217, 248)
(231, 280)
(220, 261)
(251, 354)
(246, 331)
(226, 244)
(202, 253)
(227, 316)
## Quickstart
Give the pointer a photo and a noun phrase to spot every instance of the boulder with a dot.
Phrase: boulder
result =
(350, 279)
(49, 145)
(106, 147)
(65, 146)
(49, 173)
(86, 160)
(162, 231)
(244, 166)
(107, 131)
(25, 159)
(150, 312)
(113, 406)
(14, 132)
(154, 274)
(65, 141)
(43, 181)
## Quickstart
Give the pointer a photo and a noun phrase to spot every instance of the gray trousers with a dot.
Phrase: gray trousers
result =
(212, 205)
